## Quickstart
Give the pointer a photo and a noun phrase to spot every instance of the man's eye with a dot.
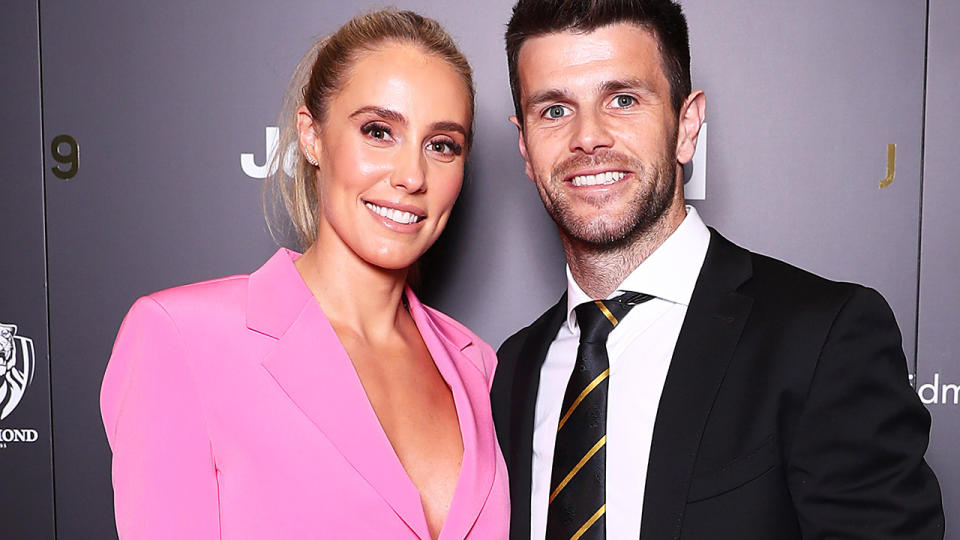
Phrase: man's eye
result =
(556, 111)
(624, 101)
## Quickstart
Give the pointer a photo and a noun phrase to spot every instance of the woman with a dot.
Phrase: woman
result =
(317, 397)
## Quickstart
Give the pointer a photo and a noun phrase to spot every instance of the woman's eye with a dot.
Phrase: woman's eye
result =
(376, 131)
(445, 147)
(556, 111)
(624, 101)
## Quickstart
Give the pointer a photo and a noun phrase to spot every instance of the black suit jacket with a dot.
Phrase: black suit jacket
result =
(786, 413)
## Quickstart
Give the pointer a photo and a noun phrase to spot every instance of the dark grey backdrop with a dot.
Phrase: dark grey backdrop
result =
(164, 97)
(26, 471)
(938, 352)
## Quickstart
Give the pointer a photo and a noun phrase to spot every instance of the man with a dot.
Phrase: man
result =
(743, 398)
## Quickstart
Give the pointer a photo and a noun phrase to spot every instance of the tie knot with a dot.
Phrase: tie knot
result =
(598, 318)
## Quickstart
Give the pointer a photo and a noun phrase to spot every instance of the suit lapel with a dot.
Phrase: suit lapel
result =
(461, 366)
(523, 402)
(711, 330)
(312, 368)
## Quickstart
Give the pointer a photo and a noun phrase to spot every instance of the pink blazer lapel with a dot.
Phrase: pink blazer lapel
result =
(459, 361)
(313, 369)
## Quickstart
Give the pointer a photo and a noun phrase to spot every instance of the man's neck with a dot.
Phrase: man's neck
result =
(600, 270)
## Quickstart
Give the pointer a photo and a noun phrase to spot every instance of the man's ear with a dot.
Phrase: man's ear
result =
(692, 116)
(523, 146)
(307, 135)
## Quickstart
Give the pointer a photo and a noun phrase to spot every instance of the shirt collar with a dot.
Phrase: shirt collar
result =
(669, 273)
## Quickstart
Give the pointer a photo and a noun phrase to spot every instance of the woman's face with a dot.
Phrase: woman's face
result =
(391, 155)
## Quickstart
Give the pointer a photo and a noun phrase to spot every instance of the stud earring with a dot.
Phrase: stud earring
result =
(310, 159)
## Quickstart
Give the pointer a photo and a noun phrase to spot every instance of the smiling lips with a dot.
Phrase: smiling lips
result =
(599, 179)
(398, 216)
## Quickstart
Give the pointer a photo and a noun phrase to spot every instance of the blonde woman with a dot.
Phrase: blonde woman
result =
(317, 397)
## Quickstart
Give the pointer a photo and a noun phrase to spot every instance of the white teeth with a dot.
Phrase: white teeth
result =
(393, 214)
(598, 179)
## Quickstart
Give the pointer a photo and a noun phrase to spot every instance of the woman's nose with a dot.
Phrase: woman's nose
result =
(409, 174)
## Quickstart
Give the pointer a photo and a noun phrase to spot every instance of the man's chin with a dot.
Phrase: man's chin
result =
(597, 233)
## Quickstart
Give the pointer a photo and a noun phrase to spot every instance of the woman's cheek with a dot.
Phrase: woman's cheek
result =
(452, 184)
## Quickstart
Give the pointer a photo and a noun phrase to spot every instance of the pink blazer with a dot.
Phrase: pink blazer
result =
(234, 412)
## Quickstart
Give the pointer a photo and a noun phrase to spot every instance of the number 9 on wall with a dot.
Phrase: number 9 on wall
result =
(66, 153)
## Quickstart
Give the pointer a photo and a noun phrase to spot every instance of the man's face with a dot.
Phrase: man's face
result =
(599, 134)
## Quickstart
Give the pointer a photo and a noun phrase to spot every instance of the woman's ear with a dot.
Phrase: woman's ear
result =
(307, 135)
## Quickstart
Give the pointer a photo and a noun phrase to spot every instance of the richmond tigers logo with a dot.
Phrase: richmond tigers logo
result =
(17, 364)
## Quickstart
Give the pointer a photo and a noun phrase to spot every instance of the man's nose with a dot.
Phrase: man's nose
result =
(590, 133)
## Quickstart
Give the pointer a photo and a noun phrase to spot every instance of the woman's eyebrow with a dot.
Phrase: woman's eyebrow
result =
(386, 114)
(394, 116)
(448, 126)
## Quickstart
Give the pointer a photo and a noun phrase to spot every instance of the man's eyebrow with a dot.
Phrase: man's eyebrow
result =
(386, 114)
(553, 94)
(639, 85)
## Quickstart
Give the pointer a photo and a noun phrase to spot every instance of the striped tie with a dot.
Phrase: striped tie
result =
(578, 483)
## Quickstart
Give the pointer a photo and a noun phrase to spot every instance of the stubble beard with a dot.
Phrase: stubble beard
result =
(605, 231)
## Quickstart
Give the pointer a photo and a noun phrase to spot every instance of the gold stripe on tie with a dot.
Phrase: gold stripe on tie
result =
(603, 308)
(593, 384)
(577, 467)
(593, 519)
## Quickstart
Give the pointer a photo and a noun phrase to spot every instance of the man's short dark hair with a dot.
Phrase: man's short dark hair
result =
(532, 18)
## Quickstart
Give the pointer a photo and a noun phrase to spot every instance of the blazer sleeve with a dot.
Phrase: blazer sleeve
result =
(164, 475)
(856, 467)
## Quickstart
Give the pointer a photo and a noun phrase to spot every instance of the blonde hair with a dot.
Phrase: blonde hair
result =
(321, 73)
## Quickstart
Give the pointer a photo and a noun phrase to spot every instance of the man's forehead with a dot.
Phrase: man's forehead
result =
(604, 41)
(612, 52)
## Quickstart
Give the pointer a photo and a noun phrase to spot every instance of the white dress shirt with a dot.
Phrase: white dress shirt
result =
(639, 349)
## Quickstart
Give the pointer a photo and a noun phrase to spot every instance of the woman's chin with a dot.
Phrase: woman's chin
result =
(395, 260)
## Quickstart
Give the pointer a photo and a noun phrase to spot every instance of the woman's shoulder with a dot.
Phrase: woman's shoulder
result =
(203, 298)
(160, 328)
(204, 295)
(196, 309)
(219, 300)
